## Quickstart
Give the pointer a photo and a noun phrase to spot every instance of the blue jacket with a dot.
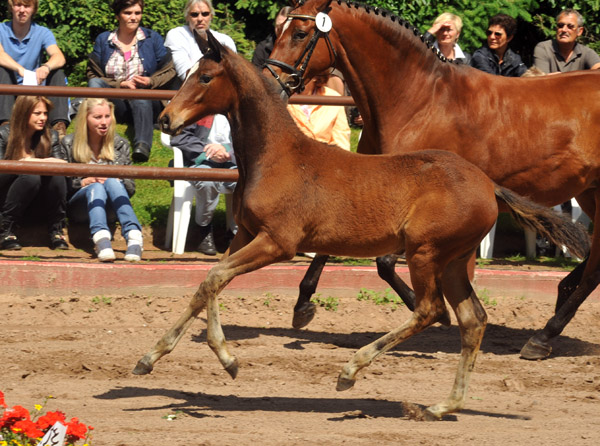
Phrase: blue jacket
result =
(153, 53)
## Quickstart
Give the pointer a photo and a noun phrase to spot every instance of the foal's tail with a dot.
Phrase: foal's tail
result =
(553, 225)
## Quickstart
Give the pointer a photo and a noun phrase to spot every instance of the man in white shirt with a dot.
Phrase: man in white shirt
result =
(181, 42)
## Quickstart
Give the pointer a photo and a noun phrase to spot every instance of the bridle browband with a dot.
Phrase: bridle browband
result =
(295, 82)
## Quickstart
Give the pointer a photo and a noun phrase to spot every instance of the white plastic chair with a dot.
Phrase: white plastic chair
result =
(181, 205)
(487, 244)
(180, 211)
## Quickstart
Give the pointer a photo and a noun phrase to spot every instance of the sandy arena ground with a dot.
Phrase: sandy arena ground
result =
(81, 349)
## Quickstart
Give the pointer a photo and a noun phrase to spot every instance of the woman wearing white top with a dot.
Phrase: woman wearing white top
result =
(446, 30)
(198, 15)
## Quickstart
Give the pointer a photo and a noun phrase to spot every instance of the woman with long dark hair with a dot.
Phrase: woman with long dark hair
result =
(28, 137)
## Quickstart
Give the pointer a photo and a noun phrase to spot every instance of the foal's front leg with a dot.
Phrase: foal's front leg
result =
(259, 252)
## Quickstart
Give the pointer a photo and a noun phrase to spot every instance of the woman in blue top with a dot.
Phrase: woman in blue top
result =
(132, 57)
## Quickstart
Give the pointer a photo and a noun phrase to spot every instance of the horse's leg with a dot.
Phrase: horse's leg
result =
(569, 284)
(429, 309)
(386, 268)
(472, 320)
(304, 310)
(259, 252)
(538, 346)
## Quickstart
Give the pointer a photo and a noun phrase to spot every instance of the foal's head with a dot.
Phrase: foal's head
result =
(207, 89)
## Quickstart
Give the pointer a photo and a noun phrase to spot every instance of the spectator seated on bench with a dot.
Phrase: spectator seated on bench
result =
(29, 138)
(90, 199)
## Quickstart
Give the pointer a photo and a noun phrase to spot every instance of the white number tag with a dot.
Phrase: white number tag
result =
(323, 22)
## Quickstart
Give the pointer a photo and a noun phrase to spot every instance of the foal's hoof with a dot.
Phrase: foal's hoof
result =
(344, 384)
(142, 368)
(535, 350)
(430, 414)
(232, 368)
(303, 315)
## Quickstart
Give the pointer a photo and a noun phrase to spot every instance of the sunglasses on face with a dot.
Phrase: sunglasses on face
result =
(561, 25)
(495, 33)
(196, 14)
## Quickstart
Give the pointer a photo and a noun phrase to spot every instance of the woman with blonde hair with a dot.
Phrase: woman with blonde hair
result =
(446, 30)
(28, 137)
(94, 198)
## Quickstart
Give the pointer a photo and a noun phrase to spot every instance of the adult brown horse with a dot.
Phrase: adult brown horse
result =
(535, 136)
(296, 194)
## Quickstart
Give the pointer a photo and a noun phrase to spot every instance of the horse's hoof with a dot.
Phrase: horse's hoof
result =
(344, 384)
(431, 415)
(534, 350)
(142, 368)
(232, 368)
(303, 315)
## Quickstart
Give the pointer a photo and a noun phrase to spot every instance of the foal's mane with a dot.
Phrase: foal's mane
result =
(397, 24)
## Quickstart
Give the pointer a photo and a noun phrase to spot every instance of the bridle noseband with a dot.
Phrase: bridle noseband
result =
(295, 82)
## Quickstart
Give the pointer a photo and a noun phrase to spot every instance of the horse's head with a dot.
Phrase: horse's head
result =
(307, 36)
(207, 89)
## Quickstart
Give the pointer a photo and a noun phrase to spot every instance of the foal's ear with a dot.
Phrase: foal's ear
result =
(209, 45)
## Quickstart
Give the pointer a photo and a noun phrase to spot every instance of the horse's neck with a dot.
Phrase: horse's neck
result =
(377, 53)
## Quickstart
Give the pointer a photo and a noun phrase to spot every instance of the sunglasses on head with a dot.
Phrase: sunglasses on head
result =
(568, 25)
(495, 33)
(196, 14)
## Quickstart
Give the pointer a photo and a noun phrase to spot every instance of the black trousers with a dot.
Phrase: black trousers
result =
(33, 196)
(56, 78)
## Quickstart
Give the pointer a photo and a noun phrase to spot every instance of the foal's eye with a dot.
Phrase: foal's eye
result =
(205, 78)
(299, 35)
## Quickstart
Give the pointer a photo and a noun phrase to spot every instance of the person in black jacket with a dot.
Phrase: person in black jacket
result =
(28, 137)
(496, 57)
(265, 47)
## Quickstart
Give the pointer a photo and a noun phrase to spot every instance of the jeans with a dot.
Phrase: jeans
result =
(140, 112)
(41, 196)
(56, 78)
(90, 202)
(207, 198)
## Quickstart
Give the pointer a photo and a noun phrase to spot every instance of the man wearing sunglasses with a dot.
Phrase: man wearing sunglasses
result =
(564, 53)
(496, 57)
(181, 42)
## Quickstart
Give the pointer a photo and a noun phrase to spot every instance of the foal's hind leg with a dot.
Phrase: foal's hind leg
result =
(305, 310)
(429, 309)
(472, 321)
(259, 252)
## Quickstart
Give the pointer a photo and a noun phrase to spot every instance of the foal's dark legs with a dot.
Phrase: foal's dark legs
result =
(304, 310)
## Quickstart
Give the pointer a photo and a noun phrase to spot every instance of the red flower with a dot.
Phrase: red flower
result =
(11, 416)
(28, 428)
(48, 420)
(75, 429)
(2, 403)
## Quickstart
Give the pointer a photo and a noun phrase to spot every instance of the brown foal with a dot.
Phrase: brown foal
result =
(296, 194)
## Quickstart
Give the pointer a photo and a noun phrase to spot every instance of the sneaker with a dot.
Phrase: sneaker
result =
(61, 128)
(103, 247)
(133, 253)
(10, 243)
(207, 245)
(58, 241)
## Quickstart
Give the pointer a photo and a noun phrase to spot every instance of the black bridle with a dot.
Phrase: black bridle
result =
(295, 82)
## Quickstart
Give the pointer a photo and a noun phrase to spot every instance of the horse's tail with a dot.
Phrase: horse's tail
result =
(553, 225)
